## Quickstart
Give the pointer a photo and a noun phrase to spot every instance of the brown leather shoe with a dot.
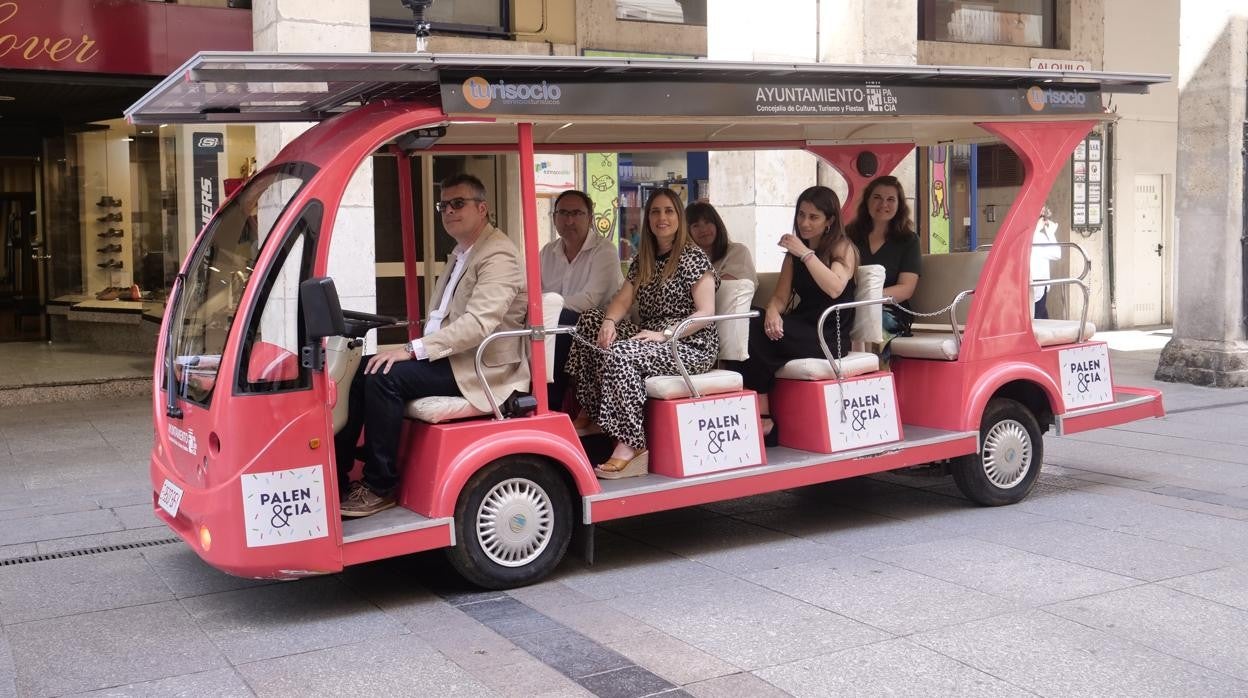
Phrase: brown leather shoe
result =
(362, 501)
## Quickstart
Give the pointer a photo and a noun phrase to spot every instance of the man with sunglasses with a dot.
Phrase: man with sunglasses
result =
(480, 291)
(580, 266)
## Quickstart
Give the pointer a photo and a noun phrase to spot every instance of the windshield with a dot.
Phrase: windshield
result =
(221, 266)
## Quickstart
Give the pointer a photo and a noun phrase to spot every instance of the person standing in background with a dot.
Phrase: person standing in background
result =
(1044, 250)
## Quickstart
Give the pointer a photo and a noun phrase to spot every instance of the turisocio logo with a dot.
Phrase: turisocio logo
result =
(481, 93)
(1038, 98)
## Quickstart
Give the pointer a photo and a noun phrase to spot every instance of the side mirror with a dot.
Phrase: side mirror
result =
(322, 315)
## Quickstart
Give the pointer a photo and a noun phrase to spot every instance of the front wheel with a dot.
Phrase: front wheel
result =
(513, 522)
(1008, 462)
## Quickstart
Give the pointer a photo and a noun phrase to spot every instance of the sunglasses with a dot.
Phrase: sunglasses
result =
(454, 204)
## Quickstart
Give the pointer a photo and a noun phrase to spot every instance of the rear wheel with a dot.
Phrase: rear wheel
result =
(513, 522)
(1008, 462)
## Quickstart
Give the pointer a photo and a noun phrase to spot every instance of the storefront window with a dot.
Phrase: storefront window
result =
(1005, 22)
(462, 16)
(671, 11)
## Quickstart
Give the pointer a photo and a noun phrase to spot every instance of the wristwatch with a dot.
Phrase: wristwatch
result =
(669, 333)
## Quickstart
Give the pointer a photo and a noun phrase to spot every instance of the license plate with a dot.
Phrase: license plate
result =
(170, 498)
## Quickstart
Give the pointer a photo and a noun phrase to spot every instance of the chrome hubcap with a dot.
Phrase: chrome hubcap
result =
(514, 522)
(1007, 454)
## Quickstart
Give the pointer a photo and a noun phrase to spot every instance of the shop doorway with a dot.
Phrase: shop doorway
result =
(21, 269)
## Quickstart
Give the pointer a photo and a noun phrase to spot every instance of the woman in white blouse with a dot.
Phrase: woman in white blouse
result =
(731, 259)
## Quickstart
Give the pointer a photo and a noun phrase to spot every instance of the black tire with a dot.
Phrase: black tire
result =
(1008, 463)
(533, 501)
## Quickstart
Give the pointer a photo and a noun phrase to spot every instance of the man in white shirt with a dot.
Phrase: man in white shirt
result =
(481, 291)
(580, 266)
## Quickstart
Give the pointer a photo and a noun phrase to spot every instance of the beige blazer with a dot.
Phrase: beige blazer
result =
(490, 297)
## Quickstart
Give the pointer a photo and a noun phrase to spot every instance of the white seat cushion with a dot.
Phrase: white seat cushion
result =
(733, 296)
(940, 346)
(440, 408)
(855, 363)
(1053, 332)
(709, 383)
(869, 319)
(552, 306)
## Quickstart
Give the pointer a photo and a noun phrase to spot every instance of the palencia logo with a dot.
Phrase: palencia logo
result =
(481, 93)
(184, 438)
(1038, 98)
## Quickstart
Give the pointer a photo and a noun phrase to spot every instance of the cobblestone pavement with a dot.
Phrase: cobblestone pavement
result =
(1125, 572)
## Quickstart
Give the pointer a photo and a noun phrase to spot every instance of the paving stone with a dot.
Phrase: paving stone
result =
(381, 666)
(47, 440)
(138, 516)
(674, 660)
(8, 673)
(53, 526)
(745, 624)
(1120, 553)
(187, 575)
(758, 502)
(508, 617)
(671, 517)
(629, 568)
(1004, 572)
(109, 648)
(890, 668)
(950, 513)
(571, 653)
(281, 619)
(1052, 656)
(594, 619)
(10, 552)
(466, 642)
(527, 678)
(219, 683)
(14, 516)
(1228, 585)
(66, 587)
(629, 682)
(731, 545)
(740, 685)
(1202, 632)
(882, 595)
(845, 530)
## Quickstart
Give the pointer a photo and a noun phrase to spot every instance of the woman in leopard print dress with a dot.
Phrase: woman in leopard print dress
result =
(670, 279)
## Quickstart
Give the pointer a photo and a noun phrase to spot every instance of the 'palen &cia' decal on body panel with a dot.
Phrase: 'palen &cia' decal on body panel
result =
(719, 434)
(869, 416)
(284, 506)
(1085, 376)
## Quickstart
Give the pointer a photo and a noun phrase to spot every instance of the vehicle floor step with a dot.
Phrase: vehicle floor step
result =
(386, 523)
(778, 458)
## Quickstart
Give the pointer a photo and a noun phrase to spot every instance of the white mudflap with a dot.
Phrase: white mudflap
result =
(284, 506)
(1086, 379)
(870, 414)
(719, 434)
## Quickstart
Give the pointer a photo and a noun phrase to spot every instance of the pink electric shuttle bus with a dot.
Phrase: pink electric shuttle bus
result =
(256, 353)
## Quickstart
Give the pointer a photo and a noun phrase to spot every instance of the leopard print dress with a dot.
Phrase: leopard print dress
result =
(611, 383)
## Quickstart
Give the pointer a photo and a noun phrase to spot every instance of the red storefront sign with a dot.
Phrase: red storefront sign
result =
(128, 37)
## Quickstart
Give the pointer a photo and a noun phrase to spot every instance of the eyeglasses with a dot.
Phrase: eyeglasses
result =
(454, 204)
(565, 213)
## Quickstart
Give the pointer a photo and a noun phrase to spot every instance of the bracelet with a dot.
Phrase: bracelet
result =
(806, 256)
(610, 320)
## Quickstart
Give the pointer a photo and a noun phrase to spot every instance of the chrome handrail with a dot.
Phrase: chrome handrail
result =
(827, 352)
(1083, 316)
(953, 316)
(531, 333)
(1087, 261)
(680, 327)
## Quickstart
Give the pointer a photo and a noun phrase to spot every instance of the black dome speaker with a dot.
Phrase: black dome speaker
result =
(866, 163)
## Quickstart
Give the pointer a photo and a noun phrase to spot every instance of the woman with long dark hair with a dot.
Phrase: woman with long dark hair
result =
(731, 260)
(819, 269)
(884, 235)
(670, 279)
